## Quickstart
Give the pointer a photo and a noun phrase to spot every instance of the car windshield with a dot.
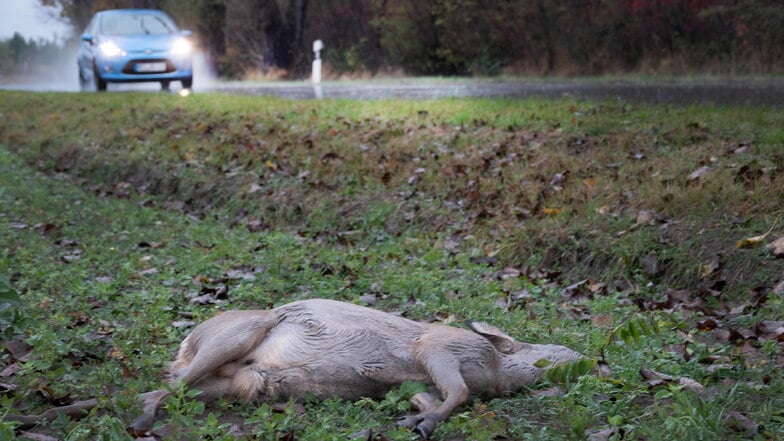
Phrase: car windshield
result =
(135, 24)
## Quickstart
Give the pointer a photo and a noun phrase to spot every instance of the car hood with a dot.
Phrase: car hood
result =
(143, 43)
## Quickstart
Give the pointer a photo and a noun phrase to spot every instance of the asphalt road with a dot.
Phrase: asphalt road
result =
(768, 92)
(753, 92)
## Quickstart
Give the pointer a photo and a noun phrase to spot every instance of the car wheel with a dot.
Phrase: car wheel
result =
(100, 83)
(164, 85)
(187, 83)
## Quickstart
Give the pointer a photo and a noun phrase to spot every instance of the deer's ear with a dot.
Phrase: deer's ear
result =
(502, 342)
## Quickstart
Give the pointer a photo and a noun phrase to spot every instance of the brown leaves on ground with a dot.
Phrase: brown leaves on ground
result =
(216, 290)
(654, 379)
(525, 186)
(717, 319)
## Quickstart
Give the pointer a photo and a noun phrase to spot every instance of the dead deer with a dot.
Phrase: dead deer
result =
(327, 348)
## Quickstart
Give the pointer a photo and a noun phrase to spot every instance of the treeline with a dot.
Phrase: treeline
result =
(28, 57)
(478, 37)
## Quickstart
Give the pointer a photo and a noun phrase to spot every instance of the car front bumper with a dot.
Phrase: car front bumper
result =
(144, 68)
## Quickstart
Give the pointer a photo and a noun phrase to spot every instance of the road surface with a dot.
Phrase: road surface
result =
(753, 92)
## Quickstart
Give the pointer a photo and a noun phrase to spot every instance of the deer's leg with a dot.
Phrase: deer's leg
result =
(218, 341)
(444, 370)
(151, 401)
(211, 388)
(425, 402)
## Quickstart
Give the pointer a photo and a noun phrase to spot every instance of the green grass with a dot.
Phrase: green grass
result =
(117, 209)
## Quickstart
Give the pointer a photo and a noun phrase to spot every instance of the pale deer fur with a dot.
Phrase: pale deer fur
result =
(326, 348)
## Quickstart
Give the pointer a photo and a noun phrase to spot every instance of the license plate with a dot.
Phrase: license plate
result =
(150, 67)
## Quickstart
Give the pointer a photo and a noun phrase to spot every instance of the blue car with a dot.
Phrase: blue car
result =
(134, 45)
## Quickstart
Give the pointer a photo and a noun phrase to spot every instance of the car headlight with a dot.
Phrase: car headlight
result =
(110, 49)
(181, 47)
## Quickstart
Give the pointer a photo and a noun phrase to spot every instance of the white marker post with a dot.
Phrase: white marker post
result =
(317, 47)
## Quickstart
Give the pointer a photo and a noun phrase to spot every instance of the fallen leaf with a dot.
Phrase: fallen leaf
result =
(777, 247)
(106, 328)
(603, 435)
(779, 288)
(509, 273)
(692, 385)
(362, 435)
(46, 228)
(549, 392)
(770, 330)
(651, 265)
(369, 299)
(645, 217)
(206, 299)
(597, 287)
(72, 255)
(484, 260)
(750, 241)
(681, 349)
(452, 243)
(117, 353)
(650, 374)
(148, 272)
(10, 370)
(697, 174)
(577, 290)
(79, 318)
(8, 387)
(707, 324)
(19, 350)
(49, 395)
(551, 211)
(741, 423)
(708, 269)
(738, 334)
(37, 436)
(209, 295)
(248, 274)
(604, 321)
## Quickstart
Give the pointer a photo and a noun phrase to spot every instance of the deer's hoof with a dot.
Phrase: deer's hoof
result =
(425, 428)
(423, 425)
(142, 425)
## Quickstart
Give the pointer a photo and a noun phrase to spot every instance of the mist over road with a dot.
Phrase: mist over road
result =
(745, 91)
(763, 92)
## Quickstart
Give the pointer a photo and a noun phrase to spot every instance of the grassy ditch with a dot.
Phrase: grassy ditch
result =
(126, 217)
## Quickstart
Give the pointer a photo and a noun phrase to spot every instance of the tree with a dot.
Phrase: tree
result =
(447, 37)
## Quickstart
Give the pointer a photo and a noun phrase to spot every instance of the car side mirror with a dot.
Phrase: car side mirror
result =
(87, 37)
(186, 33)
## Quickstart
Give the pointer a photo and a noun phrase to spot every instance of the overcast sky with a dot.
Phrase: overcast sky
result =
(29, 19)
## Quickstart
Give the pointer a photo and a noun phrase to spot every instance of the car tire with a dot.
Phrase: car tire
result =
(187, 83)
(164, 85)
(100, 83)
